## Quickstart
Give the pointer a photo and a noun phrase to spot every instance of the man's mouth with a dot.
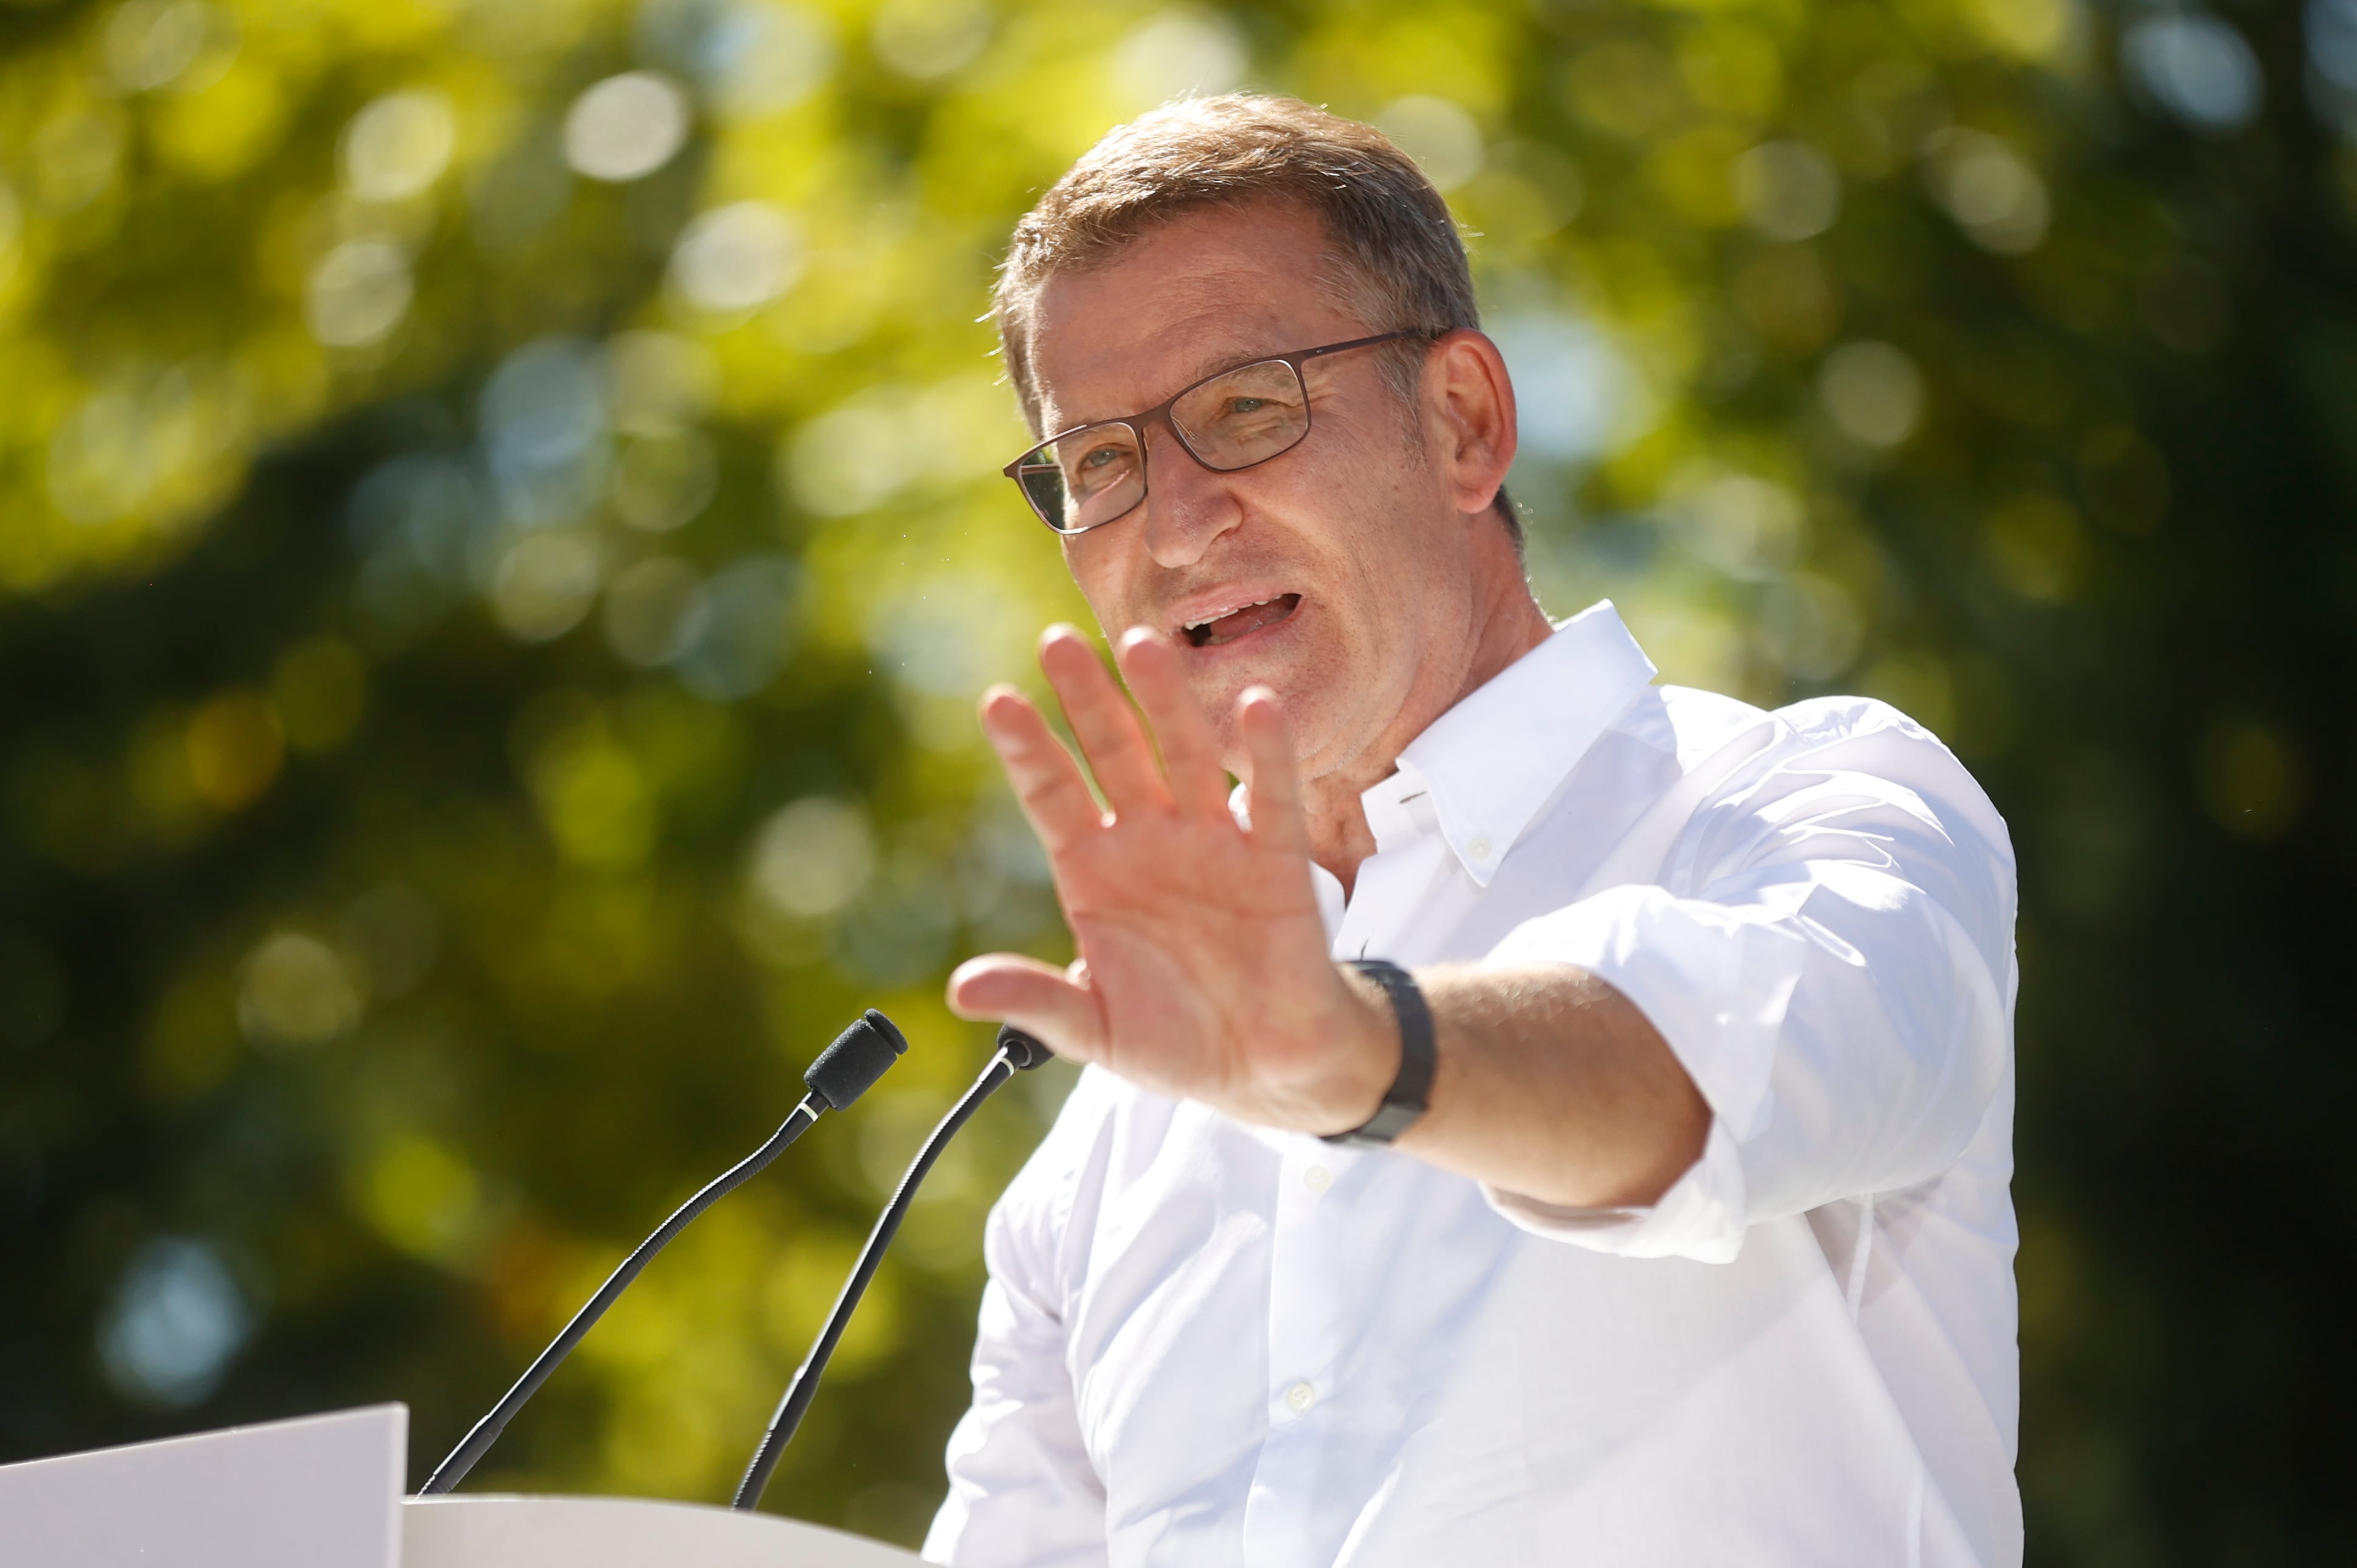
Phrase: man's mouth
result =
(1227, 625)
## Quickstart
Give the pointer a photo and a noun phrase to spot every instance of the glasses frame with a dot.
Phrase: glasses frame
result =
(1141, 425)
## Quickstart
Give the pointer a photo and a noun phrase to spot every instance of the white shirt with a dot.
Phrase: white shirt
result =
(1205, 1342)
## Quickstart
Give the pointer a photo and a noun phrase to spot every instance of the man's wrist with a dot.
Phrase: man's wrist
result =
(1365, 1057)
(1408, 1096)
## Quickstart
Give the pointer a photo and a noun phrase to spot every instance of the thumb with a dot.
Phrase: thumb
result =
(1054, 1006)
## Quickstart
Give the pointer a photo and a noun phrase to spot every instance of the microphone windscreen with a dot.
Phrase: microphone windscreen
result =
(849, 1067)
(1023, 1052)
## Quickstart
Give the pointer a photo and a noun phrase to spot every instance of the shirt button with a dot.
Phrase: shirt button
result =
(1479, 847)
(1300, 1397)
(1317, 1178)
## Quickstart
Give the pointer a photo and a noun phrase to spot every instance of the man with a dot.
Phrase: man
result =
(1670, 1223)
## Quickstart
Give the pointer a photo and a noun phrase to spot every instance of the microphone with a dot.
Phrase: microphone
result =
(843, 1072)
(1018, 1052)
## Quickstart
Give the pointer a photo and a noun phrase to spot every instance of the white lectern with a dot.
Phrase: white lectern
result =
(621, 1532)
(326, 1493)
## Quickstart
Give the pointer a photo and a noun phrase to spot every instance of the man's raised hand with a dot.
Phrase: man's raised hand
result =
(1203, 971)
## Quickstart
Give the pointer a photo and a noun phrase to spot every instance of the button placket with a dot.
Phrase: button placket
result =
(1306, 1287)
(1313, 1292)
(1306, 1297)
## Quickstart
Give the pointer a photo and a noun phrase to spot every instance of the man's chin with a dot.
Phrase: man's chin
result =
(1308, 718)
(1287, 658)
(1219, 685)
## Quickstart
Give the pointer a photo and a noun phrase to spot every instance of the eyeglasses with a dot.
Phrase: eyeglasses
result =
(1094, 474)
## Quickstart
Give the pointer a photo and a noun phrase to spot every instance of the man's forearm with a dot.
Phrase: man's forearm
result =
(1550, 1084)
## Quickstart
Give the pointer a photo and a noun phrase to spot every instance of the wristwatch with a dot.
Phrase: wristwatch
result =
(1411, 1092)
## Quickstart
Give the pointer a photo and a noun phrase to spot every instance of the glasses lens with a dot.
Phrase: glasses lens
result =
(1246, 416)
(1091, 477)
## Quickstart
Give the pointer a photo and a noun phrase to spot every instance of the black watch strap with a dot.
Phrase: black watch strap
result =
(1411, 1092)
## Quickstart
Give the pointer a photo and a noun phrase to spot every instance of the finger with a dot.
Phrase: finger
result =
(1038, 998)
(1275, 782)
(1047, 783)
(1102, 721)
(1190, 753)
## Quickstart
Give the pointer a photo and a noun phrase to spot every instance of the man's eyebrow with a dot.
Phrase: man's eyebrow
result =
(1214, 308)
(1201, 367)
(1207, 365)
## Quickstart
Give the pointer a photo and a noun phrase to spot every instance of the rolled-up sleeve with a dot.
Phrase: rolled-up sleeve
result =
(1829, 953)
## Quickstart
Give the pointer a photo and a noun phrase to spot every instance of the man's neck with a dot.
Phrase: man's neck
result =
(1508, 623)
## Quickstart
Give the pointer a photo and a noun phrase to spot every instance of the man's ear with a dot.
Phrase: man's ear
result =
(1469, 403)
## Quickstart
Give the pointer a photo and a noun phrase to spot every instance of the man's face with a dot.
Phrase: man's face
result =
(1328, 573)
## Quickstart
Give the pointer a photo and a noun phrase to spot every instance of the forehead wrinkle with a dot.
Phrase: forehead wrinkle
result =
(1212, 300)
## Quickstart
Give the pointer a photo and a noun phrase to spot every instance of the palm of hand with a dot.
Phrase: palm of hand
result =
(1203, 970)
(1203, 948)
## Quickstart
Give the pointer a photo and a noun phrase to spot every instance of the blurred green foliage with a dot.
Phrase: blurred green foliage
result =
(498, 539)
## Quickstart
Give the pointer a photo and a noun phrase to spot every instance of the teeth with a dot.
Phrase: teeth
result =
(1223, 615)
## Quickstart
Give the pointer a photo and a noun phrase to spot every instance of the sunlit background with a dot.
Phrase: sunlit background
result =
(499, 538)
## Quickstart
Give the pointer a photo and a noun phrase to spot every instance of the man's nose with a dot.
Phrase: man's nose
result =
(1187, 505)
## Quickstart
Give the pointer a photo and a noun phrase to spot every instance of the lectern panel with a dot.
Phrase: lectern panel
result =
(319, 1493)
(621, 1532)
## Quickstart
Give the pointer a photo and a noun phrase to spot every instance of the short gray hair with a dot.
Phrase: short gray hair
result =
(1399, 264)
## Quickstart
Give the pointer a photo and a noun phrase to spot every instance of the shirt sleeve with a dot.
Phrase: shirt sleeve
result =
(1829, 953)
(1023, 1492)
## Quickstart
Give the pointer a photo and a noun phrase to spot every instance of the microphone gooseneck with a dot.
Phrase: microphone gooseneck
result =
(843, 1072)
(1018, 1052)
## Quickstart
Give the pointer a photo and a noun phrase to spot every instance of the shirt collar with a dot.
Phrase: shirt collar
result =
(1482, 769)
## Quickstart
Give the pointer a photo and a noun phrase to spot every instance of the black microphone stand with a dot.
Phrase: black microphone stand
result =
(843, 1072)
(1018, 1052)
